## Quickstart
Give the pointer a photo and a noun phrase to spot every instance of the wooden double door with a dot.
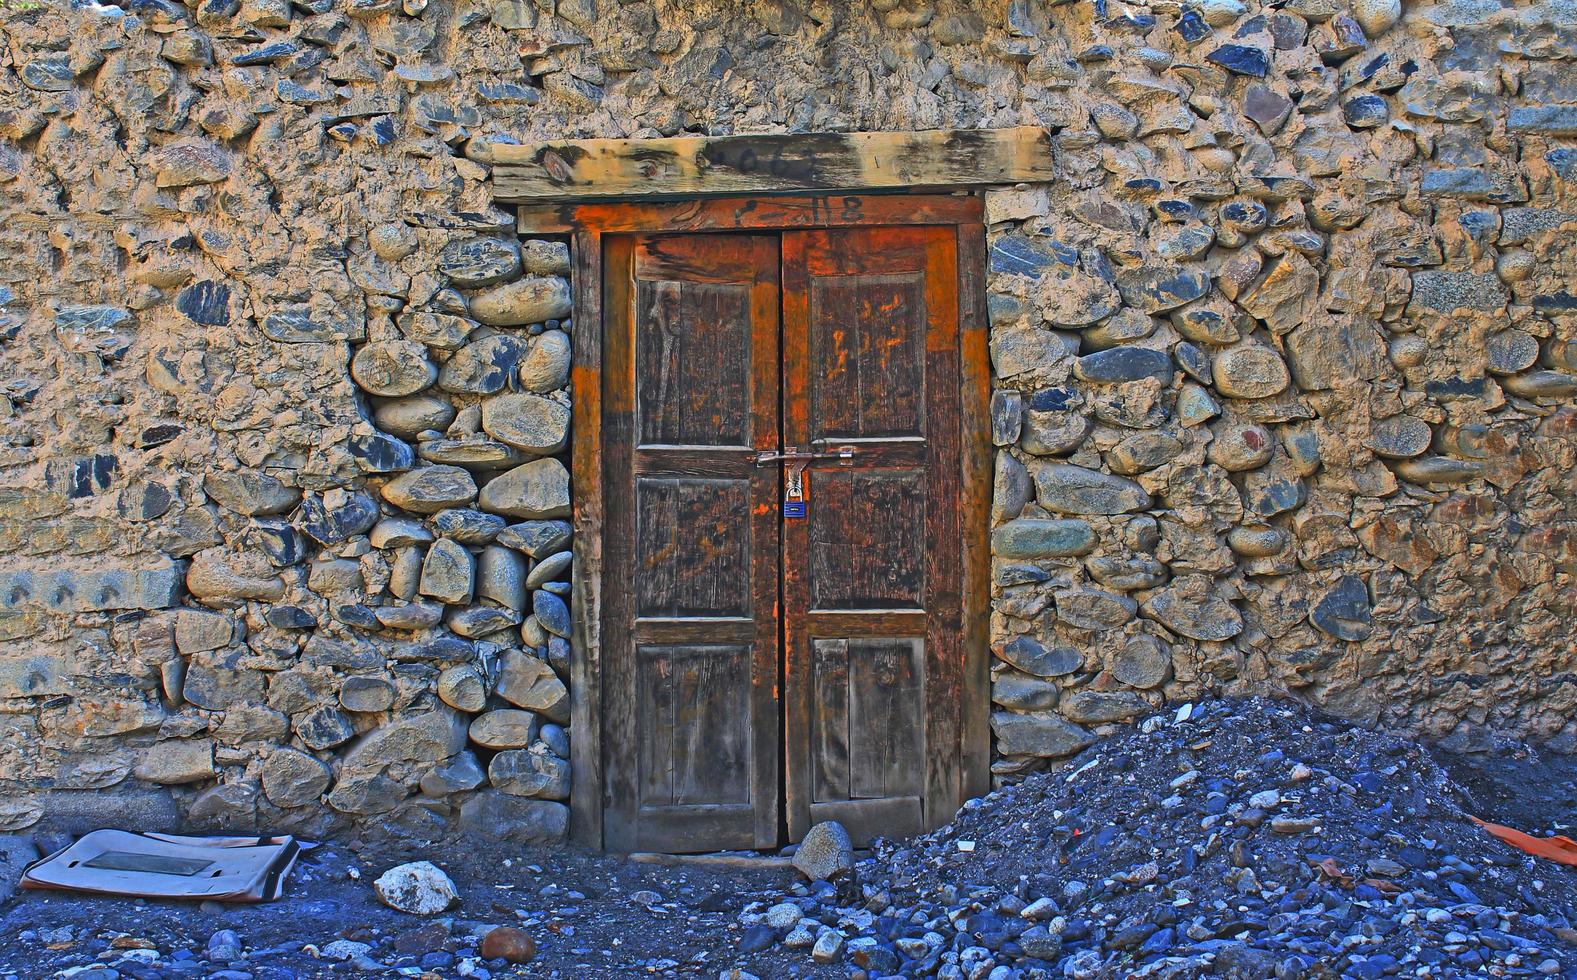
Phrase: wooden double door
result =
(782, 635)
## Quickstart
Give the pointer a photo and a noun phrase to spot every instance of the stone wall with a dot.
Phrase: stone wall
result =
(1285, 373)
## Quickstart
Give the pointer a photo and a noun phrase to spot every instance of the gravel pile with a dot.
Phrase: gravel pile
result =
(1235, 838)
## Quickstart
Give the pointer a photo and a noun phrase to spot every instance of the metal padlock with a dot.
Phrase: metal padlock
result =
(794, 496)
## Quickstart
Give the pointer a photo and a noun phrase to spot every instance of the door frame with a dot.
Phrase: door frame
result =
(585, 225)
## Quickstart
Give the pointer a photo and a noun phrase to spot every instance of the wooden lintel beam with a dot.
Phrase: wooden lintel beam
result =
(690, 166)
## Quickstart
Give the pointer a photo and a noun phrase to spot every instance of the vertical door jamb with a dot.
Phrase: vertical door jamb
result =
(586, 789)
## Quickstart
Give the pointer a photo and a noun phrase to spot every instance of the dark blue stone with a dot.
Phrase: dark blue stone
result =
(1563, 162)
(290, 618)
(1017, 254)
(1345, 612)
(1455, 388)
(328, 527)
(356, 614)
(206, 302)
(551, 612)
(1556, 302)
(1176, 209)
(379, 452)
(1367, 893)
(1240, 59)
(1191, 26)
(90, 474)
(383, 131)
(1120, 364)
(158, 435)
(280, 542)
(1366, 111)
(1463, 892)
(1095, 53)
(757, 938)
(1053, 400)
(267, 54)
(1481, 226)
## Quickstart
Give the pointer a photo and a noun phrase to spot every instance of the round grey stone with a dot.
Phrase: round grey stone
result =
(527, 421)
(407, 417)
(393, 368)
(1251, 371)
(431, 489)
(546, 365)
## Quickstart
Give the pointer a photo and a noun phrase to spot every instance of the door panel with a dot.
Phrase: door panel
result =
(871, 574)
(691, 638)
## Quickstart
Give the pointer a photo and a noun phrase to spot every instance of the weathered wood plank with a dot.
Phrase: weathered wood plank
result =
(752, 213)
(974, 510)
(586, 641)
(768, 163)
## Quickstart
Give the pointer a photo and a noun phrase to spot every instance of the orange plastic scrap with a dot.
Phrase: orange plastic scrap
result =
(1562, 850)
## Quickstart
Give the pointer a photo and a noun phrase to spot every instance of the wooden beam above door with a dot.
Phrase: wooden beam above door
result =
(691, 166)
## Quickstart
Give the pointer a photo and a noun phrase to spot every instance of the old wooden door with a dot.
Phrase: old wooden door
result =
(764, 670)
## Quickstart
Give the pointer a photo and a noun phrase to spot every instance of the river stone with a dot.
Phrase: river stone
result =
(533, 773)
(1032, 657)
(531, 422)
(504, 728)
(418, 888)
(1143, 662)
(472, 262)
(1101, 707)
(1541, 384)
(1510, 351)
(527, 682)
(1076, 299)
(1195, 406)
(398, 532)
(1257, 542)
(1040, 538)
(1007, 416)
(442, 331)
(546, 365)
(551, 611)
(537, 489)
(323, 728)
(529, 300)
(411, 617)
(482, 366)
(537, 538)
(1345, 612)
(1190, 608)
(501, 577)
(249, 492)
(1251, 371)
(365, 694)
(1070, 489)
(1124, 327)
(407, 417)
(475, 622)
(177, 761)
(1011, 488)
(468, 526)
(1019, 691)
(431, 489)
(1142, 452)
(1156, 289)
(392, 368)
(1044, 734)
(1240, 446)
(292, 778)
(1126, 573)
(1054, 433)
(1094, 609)
(553, 568)
(460, 773)
(1123, 364)
(448, 573)
(460, 686)
(1399, 437)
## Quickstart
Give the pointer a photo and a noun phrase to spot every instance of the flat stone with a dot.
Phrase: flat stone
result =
(392, 368)
(468, 526)
(1043, 734)
(1267, 108)
(1101, 707)
(1156, 289)
(448, 572)
(1019, 691)
(527, 421)
(206, 302)
(1548, 120)
(174, 762)
(408, 417)
(1143, 662)
(1094, 609)
(472, 452)
(410, 617)
(1334, 351)
(1033, 657)
(1053, 433)
(475, 622)
(553, 568)
(398, 532)
(504, 728)
(460, 773)
(1345, 611)
(1142, 452)
(484, 366)
(1250, 371)
(426, 738)
(527, 682)
(1445, 292)
(198, 631)
(431, 489)
(1510, 351)
(1399, 437)
(1011, 488)
(532, 773)
(473, 262)
(1541, 384)
(1070, 489)
(1241, 59)
(441, 331)
(546, 365)
(1122, 364)
(535, 490)
(1040, 538)
(249, 492)
(1190, 608)
(529, 300)
(337, 516)
(537, 538)
(188, 162)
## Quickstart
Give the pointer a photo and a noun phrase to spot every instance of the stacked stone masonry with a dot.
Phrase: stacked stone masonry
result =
(1284, 393)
